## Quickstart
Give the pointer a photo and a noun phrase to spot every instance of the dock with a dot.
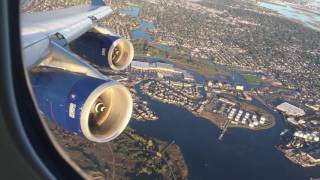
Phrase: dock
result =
(224, 129)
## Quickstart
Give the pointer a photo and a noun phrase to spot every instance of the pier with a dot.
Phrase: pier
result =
(224, 129)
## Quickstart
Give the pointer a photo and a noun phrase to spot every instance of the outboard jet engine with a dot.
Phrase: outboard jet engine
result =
(105, 50)
(95, 108)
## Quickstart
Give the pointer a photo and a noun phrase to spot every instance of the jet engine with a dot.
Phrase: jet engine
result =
(105, 50)
(95, 108)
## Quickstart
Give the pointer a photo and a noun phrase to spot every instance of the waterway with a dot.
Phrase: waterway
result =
(142, 32)
(242, 154)
(131, 11)
(311, 20)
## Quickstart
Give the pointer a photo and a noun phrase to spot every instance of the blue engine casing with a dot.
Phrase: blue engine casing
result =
(94, 47)
(55, 90)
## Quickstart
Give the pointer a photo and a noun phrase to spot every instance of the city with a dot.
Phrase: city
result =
(284, 75)
(239, 65)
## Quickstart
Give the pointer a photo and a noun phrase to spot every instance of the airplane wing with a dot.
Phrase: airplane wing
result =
(61, 49)
(39, 27)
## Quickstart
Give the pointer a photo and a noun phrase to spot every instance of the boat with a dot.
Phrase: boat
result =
(284, 132)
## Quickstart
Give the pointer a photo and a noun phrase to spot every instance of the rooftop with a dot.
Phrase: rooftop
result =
(290, 109)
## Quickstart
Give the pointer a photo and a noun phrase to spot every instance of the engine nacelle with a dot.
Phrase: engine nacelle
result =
(97, 109)
(104, 50)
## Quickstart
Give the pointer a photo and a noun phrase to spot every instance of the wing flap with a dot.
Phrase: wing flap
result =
(75, 30)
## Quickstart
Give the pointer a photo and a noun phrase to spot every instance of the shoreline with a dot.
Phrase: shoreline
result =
(215, 118)
(302, 164)
(212, 118)
(294, 6)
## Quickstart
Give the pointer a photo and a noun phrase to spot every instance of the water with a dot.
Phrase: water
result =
(138, 34)
(242, 154)
(145, 26)
(309, 19)
(132, 11)
(141, 32)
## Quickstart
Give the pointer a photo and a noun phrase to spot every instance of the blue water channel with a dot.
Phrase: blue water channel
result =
(142, 31)
(309, 19)
(242, 154)
(132, 11)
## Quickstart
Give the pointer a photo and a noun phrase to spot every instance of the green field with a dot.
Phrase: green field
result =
(251, 78)
(178, 56)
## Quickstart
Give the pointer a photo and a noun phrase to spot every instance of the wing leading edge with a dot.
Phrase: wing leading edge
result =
(38, 28)
(61, 57)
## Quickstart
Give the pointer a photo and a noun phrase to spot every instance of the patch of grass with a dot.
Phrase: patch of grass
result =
(141, 47)
(207, 70)
(178, 56)
(251, 78)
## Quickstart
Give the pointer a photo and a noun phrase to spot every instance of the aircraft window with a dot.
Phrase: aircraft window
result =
(179, 89)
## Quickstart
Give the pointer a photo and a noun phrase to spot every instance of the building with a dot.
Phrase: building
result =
(159, 67)
(164, 68)
(239, 88)
(314, 107)
(140, 65)
(290, 109)
(314, 157)
(226, 101)
(308, 136)
(292, 120)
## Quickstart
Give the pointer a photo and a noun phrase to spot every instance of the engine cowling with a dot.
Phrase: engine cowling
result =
(97, 109)
(109, 51)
